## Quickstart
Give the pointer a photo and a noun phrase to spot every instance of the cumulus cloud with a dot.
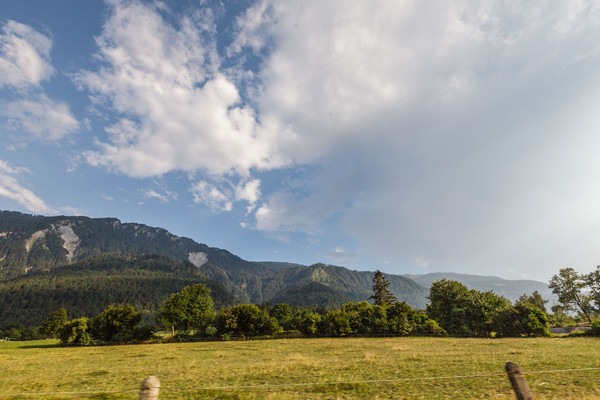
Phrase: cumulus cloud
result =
(12, 189)
(24, 56)
(480, 118)
(40, 116)
(248, 191)
(177, 110)
(432, 134)
(24, 64)
(208, 195)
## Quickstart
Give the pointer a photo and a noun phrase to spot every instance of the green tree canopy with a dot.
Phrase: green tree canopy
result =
(246, 320)
(461, 311)
(191, 308)
(53, 324)
(535, 299)
(570, 287)
(114, 319)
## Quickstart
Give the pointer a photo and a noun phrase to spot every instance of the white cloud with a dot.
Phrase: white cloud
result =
(12, 189)
(177, 111)
(249, 191)
(208, 195)
(476, 125)
(151, 194)
(465, 132)
(41, 117)
(24, 56)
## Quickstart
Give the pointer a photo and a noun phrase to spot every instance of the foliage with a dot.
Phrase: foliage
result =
(535, 299)
(86, 287)
(297, 285)
(76, 333)
(116, 319)
(283, 314)
(246, 320)
(20, 332)
(307, 321)
(570, 286)
(461, 311)
(522, 319)
(52, 325)
(191, 308)
(381, 291)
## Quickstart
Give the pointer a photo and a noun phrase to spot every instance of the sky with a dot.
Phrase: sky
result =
(406, 136)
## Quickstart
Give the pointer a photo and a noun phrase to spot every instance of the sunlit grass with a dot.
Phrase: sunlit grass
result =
(409, 368)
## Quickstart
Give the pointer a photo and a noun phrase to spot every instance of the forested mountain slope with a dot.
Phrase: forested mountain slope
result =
(86, 287)
(34, 244)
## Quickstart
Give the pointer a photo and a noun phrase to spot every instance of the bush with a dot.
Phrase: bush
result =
(116, 319)
(246, 320)
(595, 329)
(52, 325)
(75, 333)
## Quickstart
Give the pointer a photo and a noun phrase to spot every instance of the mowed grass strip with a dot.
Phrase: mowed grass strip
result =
(354, 368)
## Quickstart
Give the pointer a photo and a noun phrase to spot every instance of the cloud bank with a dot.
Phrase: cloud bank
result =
(448, 136)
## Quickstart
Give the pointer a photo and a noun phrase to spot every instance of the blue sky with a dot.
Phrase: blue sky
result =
(408, 136)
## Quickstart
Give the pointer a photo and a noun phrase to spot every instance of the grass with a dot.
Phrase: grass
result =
(351, 368)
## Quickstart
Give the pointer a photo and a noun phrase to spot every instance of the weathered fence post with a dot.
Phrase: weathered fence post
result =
(518, 381)
(150, 388)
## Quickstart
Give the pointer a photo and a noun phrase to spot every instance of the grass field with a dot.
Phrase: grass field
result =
(352, 368)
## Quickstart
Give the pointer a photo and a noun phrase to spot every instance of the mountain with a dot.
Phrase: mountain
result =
(46, 256)
(86, 287)
(511, 289)
(85, 264)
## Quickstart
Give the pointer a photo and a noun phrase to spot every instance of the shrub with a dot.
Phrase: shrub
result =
(75, 333)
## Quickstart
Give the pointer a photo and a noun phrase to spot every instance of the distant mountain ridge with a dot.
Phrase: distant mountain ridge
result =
(39, 248)
(511, 289)
(36, 243)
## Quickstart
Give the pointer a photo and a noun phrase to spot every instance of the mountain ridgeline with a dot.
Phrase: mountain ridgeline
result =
(85, 264)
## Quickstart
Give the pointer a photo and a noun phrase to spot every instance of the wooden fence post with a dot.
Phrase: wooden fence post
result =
(150, 388)
(518, 381)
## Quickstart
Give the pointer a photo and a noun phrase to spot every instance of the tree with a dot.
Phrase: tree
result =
(592, 281)
(535, 299)
(461, 311)
(76, 333)
(246, 320)
(381, 292)
(283, 314)
(522, 319)
(569, 286)
(52, 325)
(191, 308)
(113, 320)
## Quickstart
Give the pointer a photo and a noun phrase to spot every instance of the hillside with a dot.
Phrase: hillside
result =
(38, 246)
(85, 287)
(50, 262)
(511, 289)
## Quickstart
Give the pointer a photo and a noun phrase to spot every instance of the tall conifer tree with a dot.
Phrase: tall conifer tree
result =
(381, 292)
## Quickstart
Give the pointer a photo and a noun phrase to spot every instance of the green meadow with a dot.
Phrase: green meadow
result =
(340, 368)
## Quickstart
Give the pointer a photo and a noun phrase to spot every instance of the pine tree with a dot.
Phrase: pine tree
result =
(381, 292)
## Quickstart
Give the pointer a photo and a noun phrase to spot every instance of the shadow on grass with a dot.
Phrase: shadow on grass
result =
(38, 346)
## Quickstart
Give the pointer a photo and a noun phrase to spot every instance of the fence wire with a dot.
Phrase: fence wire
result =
(455, 378)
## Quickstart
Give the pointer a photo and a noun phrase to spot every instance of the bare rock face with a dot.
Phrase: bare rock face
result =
(34, 238)
(198, 259)
(71, 240)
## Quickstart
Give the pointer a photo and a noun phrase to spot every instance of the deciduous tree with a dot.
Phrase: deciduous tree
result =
(569, 286)
(191, 308)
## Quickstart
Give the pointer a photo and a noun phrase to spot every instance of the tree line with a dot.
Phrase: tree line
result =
(189, 314)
